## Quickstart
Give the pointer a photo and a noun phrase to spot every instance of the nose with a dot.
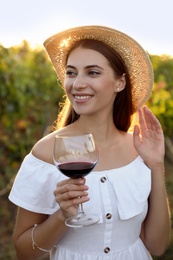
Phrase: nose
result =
(79, 82)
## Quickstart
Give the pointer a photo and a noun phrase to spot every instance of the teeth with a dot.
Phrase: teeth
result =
(82, 97)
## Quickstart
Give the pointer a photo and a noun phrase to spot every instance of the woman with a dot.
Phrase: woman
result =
(107, 77)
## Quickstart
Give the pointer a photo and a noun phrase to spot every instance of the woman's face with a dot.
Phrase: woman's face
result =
(91, 84)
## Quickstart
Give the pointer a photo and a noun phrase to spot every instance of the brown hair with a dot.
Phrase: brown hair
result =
(123, 107)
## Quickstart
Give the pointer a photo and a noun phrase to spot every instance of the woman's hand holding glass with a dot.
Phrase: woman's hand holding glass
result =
(69, 194)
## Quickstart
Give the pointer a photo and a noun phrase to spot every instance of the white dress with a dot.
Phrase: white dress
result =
(118, 197)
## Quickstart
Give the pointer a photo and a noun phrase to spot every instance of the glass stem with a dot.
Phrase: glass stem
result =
(81, 211)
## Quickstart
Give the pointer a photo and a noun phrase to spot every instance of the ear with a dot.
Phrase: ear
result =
(120, 83)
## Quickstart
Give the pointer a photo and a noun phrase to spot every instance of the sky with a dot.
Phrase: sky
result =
(147, 21)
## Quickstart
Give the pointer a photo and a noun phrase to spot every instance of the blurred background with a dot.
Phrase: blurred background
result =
(30, 92)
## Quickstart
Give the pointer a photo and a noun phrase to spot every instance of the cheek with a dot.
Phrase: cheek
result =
(109, 85)
(67, 86)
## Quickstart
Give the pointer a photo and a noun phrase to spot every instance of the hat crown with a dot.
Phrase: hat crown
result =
(135, 57)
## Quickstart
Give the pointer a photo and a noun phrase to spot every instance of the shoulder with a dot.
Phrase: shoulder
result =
(127, 138)
(43, 149)
(128, 144)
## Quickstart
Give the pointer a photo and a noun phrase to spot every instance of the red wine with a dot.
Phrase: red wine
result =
(76, 170)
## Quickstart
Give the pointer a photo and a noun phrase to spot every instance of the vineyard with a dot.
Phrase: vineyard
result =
(30, 94)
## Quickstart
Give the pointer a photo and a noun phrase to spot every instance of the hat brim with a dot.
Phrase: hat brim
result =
(135, 57)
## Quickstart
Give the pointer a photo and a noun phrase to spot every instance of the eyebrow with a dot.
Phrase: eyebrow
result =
(87, 67)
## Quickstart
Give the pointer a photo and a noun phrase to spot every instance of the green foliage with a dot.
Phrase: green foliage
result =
(161, 101)
(30, 93)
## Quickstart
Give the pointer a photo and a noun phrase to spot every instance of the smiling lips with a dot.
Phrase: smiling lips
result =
(82, 98)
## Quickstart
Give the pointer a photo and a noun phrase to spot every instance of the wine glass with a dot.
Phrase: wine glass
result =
(75, 155)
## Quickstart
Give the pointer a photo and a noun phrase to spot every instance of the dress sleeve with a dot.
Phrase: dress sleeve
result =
(34, 185)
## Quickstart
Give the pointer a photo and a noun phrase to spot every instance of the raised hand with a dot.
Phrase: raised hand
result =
(149, 138)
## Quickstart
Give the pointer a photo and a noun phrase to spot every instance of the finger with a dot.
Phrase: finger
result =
(136, 131)
(152, 118)
(69, 191)
(73, 202)
(69, 184)
(142, 122)
(71, 195)
(72, 181)
(71, 187)
(136, 135)
(152, 122)
(148, 117)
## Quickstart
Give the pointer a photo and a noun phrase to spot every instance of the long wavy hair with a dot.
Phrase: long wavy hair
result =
(123, 107)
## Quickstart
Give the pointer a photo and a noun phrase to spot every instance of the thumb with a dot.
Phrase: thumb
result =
(136, 135)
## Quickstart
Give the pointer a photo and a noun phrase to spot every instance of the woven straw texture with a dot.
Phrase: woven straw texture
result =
(135, 57)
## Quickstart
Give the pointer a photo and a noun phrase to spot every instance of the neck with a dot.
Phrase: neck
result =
(104, 131)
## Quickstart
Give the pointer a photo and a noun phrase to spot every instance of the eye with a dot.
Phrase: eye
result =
(71, 73)
(93, 72)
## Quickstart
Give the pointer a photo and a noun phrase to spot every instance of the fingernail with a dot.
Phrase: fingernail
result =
(80, 181)
(86, 198)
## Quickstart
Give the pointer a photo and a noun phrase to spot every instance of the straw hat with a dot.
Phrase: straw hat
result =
(134, 56)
